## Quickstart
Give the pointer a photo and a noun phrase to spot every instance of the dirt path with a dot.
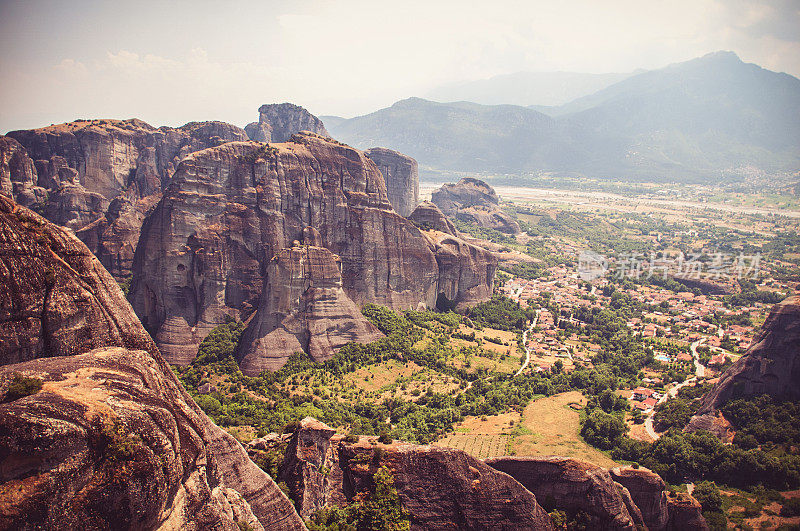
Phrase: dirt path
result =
(525, 342)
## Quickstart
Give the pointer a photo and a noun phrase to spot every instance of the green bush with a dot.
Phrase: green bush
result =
(22, 386)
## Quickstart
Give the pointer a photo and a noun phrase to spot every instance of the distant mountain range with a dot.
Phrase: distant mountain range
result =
(526, 88)
(690, 120)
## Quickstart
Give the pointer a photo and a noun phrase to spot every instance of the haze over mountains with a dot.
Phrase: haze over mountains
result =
(688, 121)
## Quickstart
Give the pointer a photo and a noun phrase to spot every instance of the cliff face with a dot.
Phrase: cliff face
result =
(621, 498)
(475, 201)
(111, 440)
(277, 122)
(572, 486)
(229, 210)
(770, 366)
(81, 168)
(401, 175)
(440, 488)
(303, 308)
(428, 216)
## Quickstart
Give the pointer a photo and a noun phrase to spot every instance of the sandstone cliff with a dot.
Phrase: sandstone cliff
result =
(401, 175)
(277, 122)
(770, 366)
(428, 216)
(111, 440)
(81, 168)
(572, 486)
(620, 498)
(207, 245)
(440, 488)
(475, 201)
(303, 308)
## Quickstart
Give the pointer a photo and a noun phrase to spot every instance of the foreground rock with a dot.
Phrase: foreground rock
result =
(440, 488)
(277, 122)
(112, 440)
(401, 175)
(770, 366)
(92, 175)
(474, 201)
(572, 486)
(620, 498)
(229, 210)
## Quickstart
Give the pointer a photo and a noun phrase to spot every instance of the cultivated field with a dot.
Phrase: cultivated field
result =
(549, 426)
(476, 444)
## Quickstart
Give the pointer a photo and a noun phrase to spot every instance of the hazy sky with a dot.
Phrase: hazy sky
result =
(170, 62)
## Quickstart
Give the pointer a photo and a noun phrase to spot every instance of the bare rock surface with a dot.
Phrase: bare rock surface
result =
(685, 513)
(475, 201)
(111, 440)
(401, 175)
(80, 168)
(277, 122)
(428, 216)
(206, 247)
(648, 492)
(770, 366)
(303, 308)
(440, 488)
(572, 486)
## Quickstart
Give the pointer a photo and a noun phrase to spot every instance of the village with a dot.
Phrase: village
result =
(690, 334)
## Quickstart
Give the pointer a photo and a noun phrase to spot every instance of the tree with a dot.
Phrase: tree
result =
(380, 510)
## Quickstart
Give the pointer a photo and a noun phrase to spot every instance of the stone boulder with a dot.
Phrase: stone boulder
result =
(474, 201)
(770, 366)
(428, 216)
(685, 513)
(401, 175)
(277, 122)
(112, 440)
(207, 245)
(572, 486)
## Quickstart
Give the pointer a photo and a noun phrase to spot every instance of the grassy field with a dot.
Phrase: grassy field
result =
(549, 426)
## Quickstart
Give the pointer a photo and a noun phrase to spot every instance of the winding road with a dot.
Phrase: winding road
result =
(525, 342)
(699, 372)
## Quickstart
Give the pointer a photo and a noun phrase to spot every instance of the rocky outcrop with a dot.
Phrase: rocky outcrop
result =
(770, 366)
(440, 488)
(572, 486)
(111, 440)
(303, 308)
(207, 245)
(306, 467)
(81, 168)
(474, 201)
(428, 216)
(401, 175)
(57, 298)
(648, 492)
(277, 122)
(685, 513)
(18, 173)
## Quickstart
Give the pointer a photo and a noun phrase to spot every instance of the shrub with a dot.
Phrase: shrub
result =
(384, 438)
(22, 386)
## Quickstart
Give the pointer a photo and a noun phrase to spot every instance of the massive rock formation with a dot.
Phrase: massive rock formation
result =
(277, 122)
(440, 488)
(475, 201)
(648, 492)
(303, 308)
(770, 366)
(81, 168)
(428, 216)
(620, 498)
(401, 176)
(111, 440)
(572, 486)
(206, 247)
